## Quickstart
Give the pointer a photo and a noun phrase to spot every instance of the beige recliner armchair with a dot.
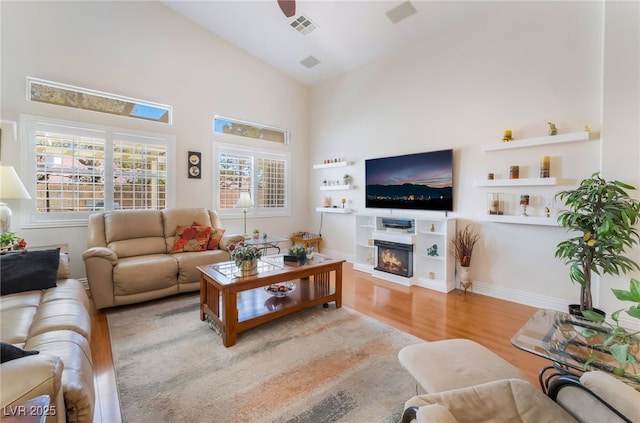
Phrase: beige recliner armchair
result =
(475, 385)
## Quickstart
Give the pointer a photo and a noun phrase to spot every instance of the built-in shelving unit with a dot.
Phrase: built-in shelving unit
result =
(521, 182)
(433, 272)
(530, 182)
(330, 165)
(535, 142)
(334, 210)
(520, 220)
(335, 187)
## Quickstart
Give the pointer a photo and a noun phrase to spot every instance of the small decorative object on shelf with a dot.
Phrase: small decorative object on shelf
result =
(343, 201)
(490, 176)
(587, 129)
(552, 128)
(545, 166)
(433, 227)
(433, 251)
(495, 203)
(524, 202)
(345, 179)
(326, 202)
(432, 275)
(507, 135)
(514, 172)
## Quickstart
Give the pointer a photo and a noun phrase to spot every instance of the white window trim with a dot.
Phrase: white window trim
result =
(28, 125)
(256, 152)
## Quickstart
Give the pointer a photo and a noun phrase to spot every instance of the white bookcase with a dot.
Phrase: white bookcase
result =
(433, 272)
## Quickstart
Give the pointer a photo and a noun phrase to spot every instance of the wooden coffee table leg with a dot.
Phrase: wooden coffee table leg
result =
(229, 315)
(339, 285)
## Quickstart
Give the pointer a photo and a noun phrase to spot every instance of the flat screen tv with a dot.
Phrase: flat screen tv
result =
(420, 181)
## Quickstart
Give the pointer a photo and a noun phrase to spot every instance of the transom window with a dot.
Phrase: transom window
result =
(263, 174)
(79, 169)
(83, 98)
(222, 125)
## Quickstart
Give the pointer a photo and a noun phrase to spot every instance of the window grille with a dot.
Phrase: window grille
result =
(263, 174)
(81, 169)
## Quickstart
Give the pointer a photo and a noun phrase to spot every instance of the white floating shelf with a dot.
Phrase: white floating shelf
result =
(431, 233)
(335, 187)
(328, 165)
(516, 182)
(520, 220)
(333, 210)
(534, 142)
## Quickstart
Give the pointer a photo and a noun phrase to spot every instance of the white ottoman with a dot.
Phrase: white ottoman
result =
(455, 363)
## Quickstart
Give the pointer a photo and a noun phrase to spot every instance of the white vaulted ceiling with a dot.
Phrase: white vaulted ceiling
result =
(348, 35)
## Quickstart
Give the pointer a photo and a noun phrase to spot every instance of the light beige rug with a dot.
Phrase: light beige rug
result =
(317, 365)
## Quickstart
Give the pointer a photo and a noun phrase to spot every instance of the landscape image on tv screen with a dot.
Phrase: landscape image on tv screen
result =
(421, 181)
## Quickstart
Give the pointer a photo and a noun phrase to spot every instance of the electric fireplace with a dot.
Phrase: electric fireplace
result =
(394, 257)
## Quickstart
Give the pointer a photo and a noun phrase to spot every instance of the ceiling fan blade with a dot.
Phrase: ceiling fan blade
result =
(288, 7)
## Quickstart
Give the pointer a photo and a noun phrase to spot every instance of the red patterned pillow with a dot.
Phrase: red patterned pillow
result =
(191, 238)
(216, 236)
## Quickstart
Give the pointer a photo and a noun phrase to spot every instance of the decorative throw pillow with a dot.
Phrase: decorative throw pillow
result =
(28, 270)
(10, 352)
(191, 238)
(216, 236)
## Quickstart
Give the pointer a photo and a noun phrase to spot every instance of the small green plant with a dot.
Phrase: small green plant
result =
(8, 238)
(297, 250)
(620, 341)
(256, 231)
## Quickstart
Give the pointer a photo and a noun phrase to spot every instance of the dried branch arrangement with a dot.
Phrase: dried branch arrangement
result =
(462, 245)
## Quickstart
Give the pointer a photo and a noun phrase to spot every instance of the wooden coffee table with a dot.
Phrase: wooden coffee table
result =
(235, 304)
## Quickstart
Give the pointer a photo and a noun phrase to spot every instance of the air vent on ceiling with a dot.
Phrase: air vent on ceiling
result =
(401, 12)
(309, 62)
(303, 25)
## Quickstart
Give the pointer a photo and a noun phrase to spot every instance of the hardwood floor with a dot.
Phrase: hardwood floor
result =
(427, 314)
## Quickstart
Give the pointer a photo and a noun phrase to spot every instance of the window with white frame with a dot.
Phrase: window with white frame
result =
(264, 174)
(79, 169)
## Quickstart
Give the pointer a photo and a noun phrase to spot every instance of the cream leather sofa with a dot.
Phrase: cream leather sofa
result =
(57, 323)
(128, 258)
(463, 382)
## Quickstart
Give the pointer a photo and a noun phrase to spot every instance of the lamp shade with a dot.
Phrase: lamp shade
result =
(11, 187)
(244, 202)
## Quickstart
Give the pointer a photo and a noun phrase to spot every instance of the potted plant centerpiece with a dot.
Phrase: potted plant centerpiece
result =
(602, 216)
(8, 240)
(246, 258)
(462, 246)
(298, 252)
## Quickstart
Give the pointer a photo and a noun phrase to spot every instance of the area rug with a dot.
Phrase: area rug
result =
(318, 365)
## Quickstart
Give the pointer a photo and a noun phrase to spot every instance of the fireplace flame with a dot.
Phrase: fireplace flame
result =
(390, 261)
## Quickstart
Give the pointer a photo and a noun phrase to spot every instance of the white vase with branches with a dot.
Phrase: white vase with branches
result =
(462, 246)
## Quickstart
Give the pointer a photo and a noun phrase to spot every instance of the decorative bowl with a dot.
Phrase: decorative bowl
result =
(281, 289)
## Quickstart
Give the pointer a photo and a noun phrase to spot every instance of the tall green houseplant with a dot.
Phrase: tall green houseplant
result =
(602, 215)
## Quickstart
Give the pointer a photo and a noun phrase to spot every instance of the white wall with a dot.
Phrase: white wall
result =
(516, 67)
(144, 50)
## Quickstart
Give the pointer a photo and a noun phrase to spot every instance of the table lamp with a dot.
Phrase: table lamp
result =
(244, 203)
(11, 188)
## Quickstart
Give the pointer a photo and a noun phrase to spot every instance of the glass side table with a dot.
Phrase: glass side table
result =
(558, 337)
(265, 243)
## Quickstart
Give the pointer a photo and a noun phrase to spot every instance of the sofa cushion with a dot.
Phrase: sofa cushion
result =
(174, 217)
(214, 239)
(29, 270)
(10, 352)
(134, 275)
(191, 238)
